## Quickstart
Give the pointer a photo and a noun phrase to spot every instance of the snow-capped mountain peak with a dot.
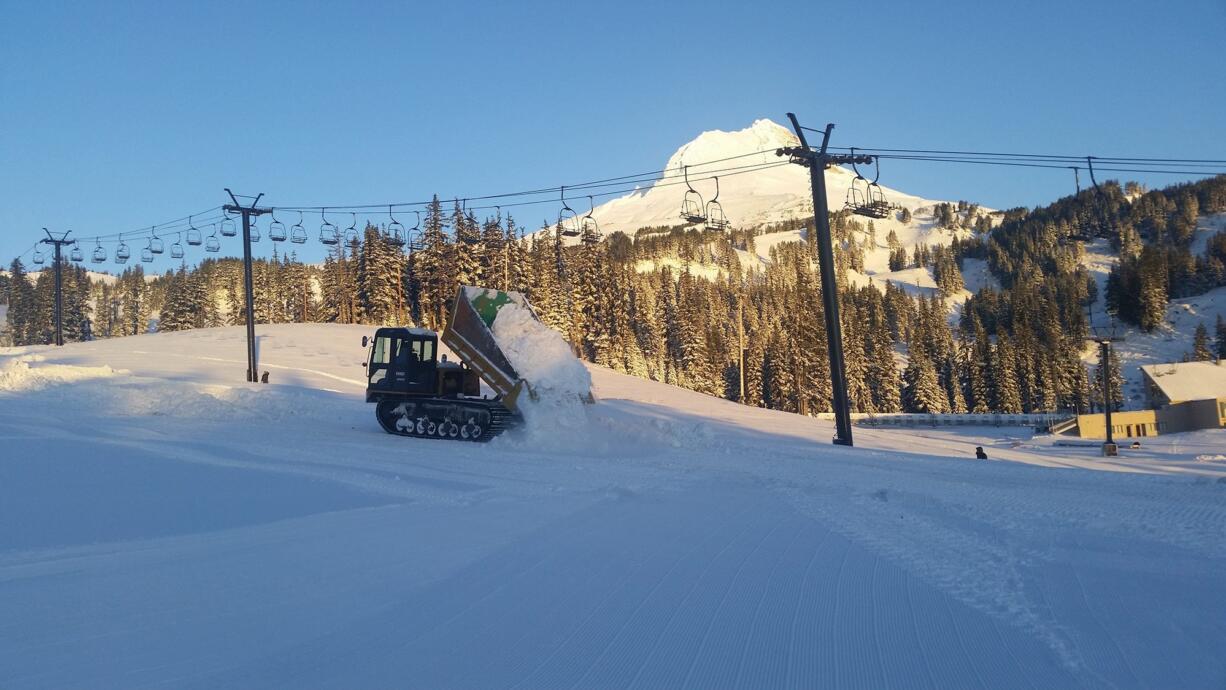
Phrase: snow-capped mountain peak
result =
(754, 189)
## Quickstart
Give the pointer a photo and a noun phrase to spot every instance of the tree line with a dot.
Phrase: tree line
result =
(703, 320)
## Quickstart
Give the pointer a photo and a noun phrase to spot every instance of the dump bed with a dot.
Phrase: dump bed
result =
(468, 335)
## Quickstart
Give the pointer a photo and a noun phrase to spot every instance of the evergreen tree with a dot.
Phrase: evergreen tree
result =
(1200, 344)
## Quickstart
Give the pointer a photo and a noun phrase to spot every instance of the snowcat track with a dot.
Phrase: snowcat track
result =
(428, 422)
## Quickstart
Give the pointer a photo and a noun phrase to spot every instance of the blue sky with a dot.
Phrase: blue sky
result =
(117, 115)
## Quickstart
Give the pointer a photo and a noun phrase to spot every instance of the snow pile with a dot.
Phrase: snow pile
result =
(540, 355)
(17, 375)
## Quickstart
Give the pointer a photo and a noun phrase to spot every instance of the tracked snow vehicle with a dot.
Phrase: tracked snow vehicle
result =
(418, 393)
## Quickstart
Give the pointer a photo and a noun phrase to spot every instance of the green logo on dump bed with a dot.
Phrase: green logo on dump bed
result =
(488, 303)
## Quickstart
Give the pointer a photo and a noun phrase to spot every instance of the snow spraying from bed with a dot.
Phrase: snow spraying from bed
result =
(542, 357)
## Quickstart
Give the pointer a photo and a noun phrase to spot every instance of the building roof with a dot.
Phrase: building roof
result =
(1189, 380)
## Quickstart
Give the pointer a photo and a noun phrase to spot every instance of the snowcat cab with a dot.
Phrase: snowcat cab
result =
(405, 362)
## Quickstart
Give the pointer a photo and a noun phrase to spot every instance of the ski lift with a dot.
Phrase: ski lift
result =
(276, 229)
(716, 220)
(589, 229)
(122, 252)
(568, 219)
(866, 198)
(193, 235)
(99, 253)
(156, 245)
(691, 204)
(76, 254)
(297, 233)
(329, 234)
(212, 243)
(413, 237)
(146, 254)
(176, 249)
(879, 207)
(38, 257)
(253, 231)
(228, 229)
(351, 232)
(394, 231)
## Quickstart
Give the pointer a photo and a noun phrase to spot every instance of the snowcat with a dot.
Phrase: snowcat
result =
(417, 392)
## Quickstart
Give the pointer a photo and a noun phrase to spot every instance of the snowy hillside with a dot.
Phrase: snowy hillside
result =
(164, 523)
(1172, 340)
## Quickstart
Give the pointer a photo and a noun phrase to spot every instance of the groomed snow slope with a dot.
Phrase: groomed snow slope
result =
(162, 523)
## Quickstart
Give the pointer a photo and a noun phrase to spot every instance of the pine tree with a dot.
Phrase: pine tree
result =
(21, 305)
(1006, 394)
(1200, 344)
(922, 388)
(1220, 339)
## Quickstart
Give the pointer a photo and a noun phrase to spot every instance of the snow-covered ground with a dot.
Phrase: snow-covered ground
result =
(164, 523)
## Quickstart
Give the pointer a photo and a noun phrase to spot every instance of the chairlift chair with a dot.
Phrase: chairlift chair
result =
(329, 234)
(176, 249)
(194, 238)
(122, 252)
(155, 243)
(568, 218)
(99, 255)
(38, 257)
(228, 228)
(212, 243)
(351, 232)
(297, 233)
(413, 238)
(276, 229)
(865, 198)
(253, 230)
(394, 231)
(693, 210)
(76, 254)
(716, 220)
(589, 229)
(146, 254)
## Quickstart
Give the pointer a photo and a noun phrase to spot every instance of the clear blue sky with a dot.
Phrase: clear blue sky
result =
(115, 115)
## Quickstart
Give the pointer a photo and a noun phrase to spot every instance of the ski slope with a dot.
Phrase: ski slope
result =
(163, 523)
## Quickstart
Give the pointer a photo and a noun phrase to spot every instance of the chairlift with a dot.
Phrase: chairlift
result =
(228, 228)
(76, 254)
(589, 229)
(146, 254)
(876, 195)
(394, 233)
(253, 230)
(716, 220)
(329, 234)
(155, 243)
(122, 252)
(194, 238)
(568, 219)
(212, 243)
(413, 236)
(176, 249)
(865, 198)
(99, 255)
(692, 207)
(38, 257)
(276, 229)
(351, 232)
(297, 233)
